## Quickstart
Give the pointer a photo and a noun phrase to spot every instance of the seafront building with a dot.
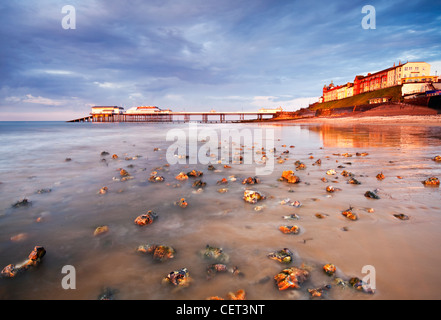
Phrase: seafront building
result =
(409, 72)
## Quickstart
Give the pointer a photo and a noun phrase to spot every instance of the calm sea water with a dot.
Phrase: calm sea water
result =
(405, 254)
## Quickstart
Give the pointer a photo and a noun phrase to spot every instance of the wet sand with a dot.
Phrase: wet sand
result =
(404, 253)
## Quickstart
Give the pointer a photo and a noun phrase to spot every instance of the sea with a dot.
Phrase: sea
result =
(59, 168)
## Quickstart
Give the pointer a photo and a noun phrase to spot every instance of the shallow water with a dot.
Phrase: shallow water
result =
(405, 254)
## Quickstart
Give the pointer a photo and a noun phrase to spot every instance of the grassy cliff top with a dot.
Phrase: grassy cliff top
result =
(360, 99)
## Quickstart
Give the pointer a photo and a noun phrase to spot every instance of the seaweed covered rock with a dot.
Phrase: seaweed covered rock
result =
(23, 203)
(34, 258)
(146, 218)
(159, 252)
(214, 254)
(194, 173)
(178, 278)
(284, 256)
(291, 278)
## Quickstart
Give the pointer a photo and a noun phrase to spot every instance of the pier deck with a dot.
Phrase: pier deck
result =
(203, 117)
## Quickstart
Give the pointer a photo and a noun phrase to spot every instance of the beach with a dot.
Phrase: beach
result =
(73, 162)
(385, 114)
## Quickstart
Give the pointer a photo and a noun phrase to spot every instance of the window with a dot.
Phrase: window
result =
(405, 68)
(416, 68)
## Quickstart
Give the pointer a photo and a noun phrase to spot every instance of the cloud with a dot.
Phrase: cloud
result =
(41, 100)
(198, 54)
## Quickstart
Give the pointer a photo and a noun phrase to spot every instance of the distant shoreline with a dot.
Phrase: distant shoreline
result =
(386, 114)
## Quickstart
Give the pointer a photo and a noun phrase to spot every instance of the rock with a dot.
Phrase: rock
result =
(251, 196)
(146, 218)
(155, 178)
(380, 176)
(36, 254)
(214, 254)
(182, 203)
(238, 295)
(401, 216)
(358, 284)
(289, 229)
(291, 217)
(195, 173)
(181, 176)
(290, 177)
(371, 195)
(437, 158)
(19, 237)
(114, 156)
(300, 165)
(318, 292)
(34, 258)
(108, 294)
(291, 278)
(330, 189)
(179, 278)
(160, 252)
(103, 190)
(251, 180)
(100, 230)
(345, 173)
(104, 153)
(23, 203)
(353, 181)
(431, 182)
(283, 256)
(41, 191)
(222, 181)
(123, 173)
(198, 184)
(215, 268)
(349, 214)
(329, 269)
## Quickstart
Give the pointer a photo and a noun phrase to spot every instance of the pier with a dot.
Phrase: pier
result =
(178, 116)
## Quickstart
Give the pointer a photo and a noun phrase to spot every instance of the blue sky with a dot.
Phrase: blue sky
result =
(199, 54)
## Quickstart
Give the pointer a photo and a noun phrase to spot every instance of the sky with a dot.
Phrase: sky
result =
(198, 55)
